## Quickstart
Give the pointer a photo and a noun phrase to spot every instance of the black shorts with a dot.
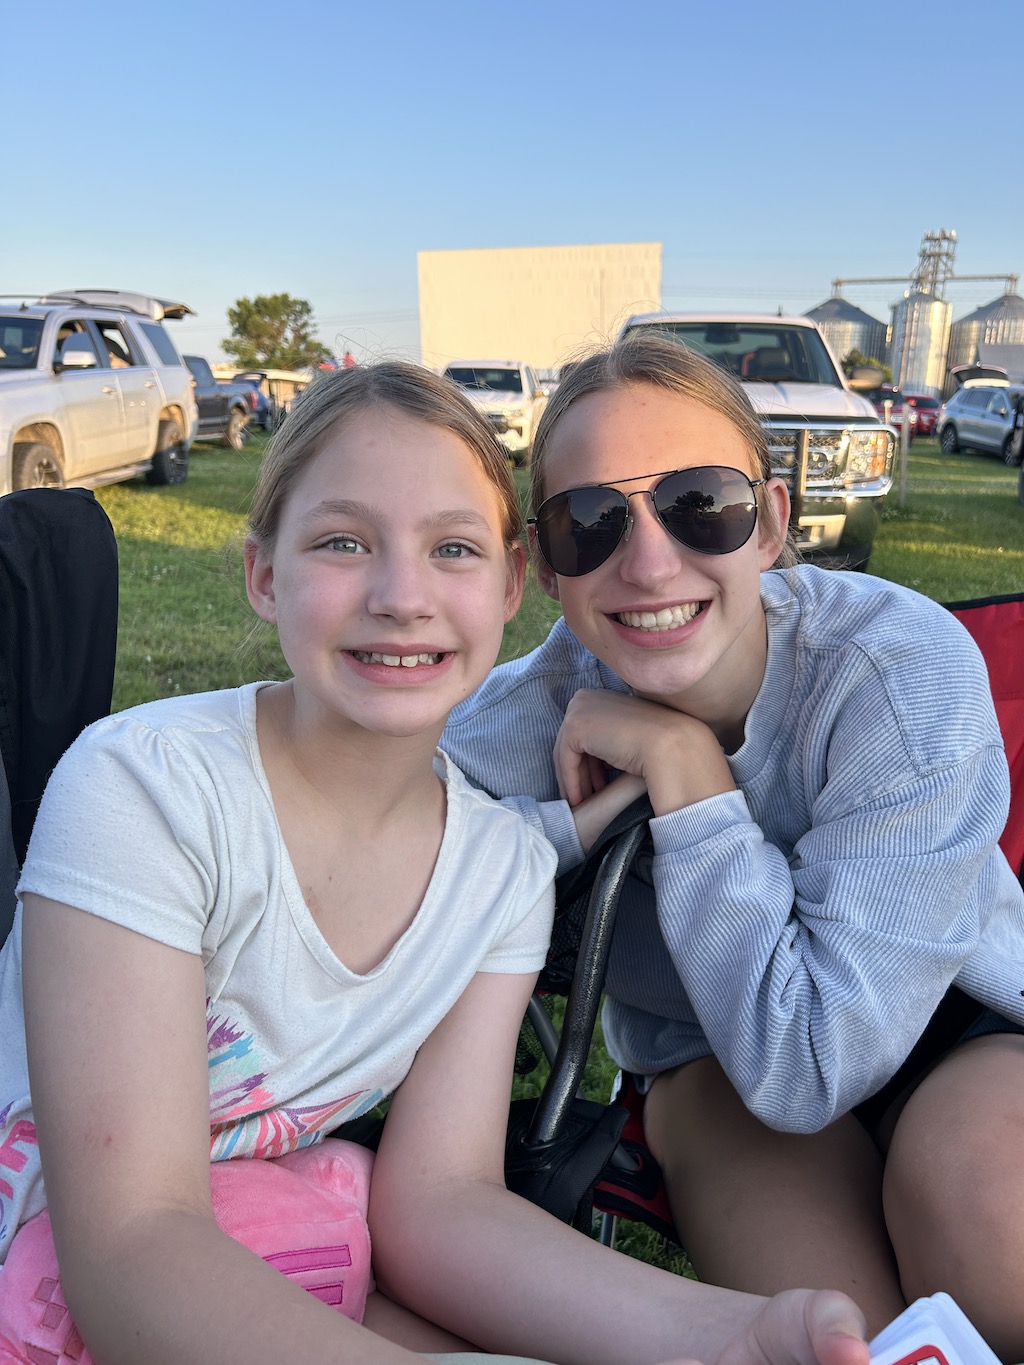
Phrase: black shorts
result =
(957, 1020)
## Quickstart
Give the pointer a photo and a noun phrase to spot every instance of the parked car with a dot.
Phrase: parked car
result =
(979, 417)
(92, 391)
(509, 395)
(796, 386)
(888, 396)
(262, 409)
(224, 408)
(927, 408)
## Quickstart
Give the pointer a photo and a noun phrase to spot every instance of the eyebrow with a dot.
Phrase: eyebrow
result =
(368, 511)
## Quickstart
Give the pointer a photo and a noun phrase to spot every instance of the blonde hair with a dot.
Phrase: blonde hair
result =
(652, 358)
(329, 401)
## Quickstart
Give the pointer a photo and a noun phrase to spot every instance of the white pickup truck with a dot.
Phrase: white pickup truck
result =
(92, 391)
(509, 395)
(808, 409)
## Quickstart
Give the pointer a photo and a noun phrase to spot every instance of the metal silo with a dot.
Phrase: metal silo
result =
(920, 341)
(998, 322)
(847, 328)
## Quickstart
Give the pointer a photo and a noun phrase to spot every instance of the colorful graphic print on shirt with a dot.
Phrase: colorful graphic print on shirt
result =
(245, 1119)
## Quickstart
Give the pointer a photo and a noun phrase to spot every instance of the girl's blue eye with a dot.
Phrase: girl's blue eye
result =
(345, 545)
(454, 550)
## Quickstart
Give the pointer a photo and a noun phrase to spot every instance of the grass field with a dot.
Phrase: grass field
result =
(185, 624)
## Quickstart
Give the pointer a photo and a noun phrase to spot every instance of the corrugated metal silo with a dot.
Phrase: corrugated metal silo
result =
(1000, 322)
(847, 328)
(920, 341)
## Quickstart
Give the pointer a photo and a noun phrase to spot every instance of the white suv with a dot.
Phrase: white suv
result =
(509, 395)
(805, 404)
(92, 390)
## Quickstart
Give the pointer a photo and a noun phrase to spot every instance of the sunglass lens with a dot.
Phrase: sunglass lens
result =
(710, 509)
(579, 529)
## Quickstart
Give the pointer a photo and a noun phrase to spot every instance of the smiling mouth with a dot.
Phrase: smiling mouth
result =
(396, 660)
(668, 618)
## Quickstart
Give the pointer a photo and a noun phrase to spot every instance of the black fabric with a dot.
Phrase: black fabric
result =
(58, 628)
(560, 1175)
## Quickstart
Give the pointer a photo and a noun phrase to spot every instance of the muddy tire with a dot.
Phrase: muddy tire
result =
(234, 436)
(36, 465)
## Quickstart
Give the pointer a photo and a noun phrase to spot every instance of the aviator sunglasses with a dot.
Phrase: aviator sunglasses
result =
(710, 508)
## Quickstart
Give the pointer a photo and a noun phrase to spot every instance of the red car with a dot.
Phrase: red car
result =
(888, 393)
(927, 409)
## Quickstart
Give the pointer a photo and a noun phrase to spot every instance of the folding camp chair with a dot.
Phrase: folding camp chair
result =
(58, 637)
(574, 1156)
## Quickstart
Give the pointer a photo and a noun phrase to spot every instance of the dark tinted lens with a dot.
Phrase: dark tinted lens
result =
(579, 529)
(710, 509)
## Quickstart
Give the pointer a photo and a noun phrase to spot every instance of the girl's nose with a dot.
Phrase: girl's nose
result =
(401, 589)
(648, 555)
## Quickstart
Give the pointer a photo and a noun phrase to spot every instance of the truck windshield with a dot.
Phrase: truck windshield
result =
(478, 377)
(760, 353)
(19, 342)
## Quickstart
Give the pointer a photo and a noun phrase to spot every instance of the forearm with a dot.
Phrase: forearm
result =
(172, 1287)
(503, 1273)
(791, 964)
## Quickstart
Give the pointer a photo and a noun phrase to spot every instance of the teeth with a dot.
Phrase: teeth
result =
(397, 660)
(666, 619)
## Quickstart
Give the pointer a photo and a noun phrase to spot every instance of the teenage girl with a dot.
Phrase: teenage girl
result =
(828, 780)
(248, 916)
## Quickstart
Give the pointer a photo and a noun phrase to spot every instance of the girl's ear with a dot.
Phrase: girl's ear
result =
(771, 531)
(546, 576)
(259, 582)
(516, 579)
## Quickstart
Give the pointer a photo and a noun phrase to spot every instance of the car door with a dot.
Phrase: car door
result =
(89, 400)
(140, 396)
(969, 420)
(995, 421)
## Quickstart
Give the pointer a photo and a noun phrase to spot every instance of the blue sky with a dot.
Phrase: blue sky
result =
(210, 151)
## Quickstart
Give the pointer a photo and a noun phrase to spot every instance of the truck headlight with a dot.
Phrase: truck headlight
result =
(868, 456)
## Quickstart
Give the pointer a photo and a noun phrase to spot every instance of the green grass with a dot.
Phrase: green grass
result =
(185, 623)
(960, 533)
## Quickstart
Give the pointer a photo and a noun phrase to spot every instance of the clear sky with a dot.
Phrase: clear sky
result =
(208, 151)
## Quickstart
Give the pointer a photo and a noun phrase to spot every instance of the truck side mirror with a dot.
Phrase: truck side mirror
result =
(865, 378)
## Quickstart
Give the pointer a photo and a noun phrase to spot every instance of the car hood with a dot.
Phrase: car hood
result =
(808, 401)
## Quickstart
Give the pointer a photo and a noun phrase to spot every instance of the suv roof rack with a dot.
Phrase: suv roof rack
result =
(121, 301)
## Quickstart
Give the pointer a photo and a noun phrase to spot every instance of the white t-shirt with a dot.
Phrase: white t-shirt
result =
(161, 819)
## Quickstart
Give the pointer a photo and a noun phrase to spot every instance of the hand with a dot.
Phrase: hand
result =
(802, 1327)
(595, 813)
(677, 758)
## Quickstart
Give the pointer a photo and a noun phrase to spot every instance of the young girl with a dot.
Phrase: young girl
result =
(248, 916)
(829, 784)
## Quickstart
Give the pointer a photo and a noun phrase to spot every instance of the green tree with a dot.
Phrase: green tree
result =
(854, 358)
(274, 331)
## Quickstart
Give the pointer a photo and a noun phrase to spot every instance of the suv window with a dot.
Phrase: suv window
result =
(19, 342)
(119, 348)
(757, 352)
(161, 343)
(976, 398)
(998, 404)
(930, 403)
(479, 377)
(74, 335)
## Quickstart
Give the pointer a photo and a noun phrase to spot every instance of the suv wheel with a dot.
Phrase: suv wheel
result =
(36, 465)
(234, 436)
(170, 463)
(948, 439)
